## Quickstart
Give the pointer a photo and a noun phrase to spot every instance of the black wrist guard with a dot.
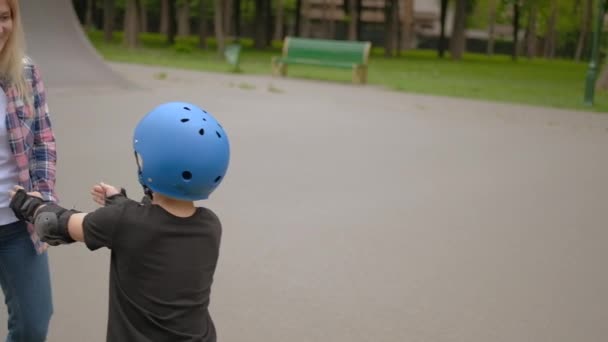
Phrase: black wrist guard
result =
(24, 206)
(118, 198)
(51, 224)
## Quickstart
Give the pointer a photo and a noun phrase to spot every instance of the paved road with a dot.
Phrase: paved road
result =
(357, 214)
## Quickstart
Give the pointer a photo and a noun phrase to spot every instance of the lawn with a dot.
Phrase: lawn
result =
(551, 83)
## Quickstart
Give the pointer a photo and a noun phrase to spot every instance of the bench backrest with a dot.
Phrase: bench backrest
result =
(327, 50)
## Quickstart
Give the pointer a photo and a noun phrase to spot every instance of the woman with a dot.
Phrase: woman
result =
(27, 158)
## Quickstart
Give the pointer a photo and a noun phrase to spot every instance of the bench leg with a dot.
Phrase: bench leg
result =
(360, 74)
(279, 69)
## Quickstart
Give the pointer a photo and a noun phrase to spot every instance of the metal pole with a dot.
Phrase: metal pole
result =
(593, 64)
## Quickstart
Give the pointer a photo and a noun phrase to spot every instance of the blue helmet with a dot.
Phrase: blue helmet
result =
(181, 150)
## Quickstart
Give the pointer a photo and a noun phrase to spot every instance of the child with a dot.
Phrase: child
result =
(165, 250)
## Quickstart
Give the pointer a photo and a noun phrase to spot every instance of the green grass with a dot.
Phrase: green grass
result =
(550, 83)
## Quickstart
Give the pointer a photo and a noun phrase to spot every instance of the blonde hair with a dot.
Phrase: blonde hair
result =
(12, 56)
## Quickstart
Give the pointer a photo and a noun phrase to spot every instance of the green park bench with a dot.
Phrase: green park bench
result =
(327, 53)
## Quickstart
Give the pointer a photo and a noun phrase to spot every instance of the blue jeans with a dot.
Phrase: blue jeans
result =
(26, 284)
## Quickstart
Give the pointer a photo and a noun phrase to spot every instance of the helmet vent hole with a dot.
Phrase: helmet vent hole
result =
(185, 120)
(220, 126)
(218, 179)
(186, 108)
(204, 119)
(201, 131)
(187, 175)
(218, 134)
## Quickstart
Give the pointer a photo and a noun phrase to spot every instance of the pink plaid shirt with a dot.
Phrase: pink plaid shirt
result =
(32, 141)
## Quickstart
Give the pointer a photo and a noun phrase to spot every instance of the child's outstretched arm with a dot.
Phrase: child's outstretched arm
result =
(56, 225)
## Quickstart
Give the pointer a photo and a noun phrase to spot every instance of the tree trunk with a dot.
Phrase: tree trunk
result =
(585, 29)
(298, 22)
(305, 29)
(171, 22)
(108, 20)
(531, 31)
(491, 27)
(202, 24)
(228, 13)
(352, 23)
(551, 32)
(89, 22)
(442, 44)
(278, 25)
(389, 27)
(143, 12)
(237, 19)
(407, 28)
(164, 16)
(131, 23)
(260, 23)
(331, 23)
(396, 28)
(268, 34)
(219, 27)
(458, 39)
(515, 51)
(183, 18)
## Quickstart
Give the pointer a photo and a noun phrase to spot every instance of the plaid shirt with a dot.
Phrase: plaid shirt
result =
(32, 141)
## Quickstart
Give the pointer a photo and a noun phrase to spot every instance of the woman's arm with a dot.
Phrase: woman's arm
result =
(44, 154)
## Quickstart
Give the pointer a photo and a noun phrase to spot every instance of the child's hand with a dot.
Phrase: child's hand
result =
(101, 191)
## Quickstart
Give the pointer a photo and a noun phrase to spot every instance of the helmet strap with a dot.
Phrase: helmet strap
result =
(147, 191)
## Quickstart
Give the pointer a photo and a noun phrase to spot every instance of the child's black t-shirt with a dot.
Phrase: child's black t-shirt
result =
(161, 271)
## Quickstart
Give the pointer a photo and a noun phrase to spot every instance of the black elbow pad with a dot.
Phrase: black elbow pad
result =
(51, 224)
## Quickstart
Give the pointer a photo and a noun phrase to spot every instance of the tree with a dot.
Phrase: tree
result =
(458, 39)
(278, 26)
(551, 35)
(261, 21)
(491, 27)
(164, 16)
(183, 18)
(407, 28)
(108, 20)
(143, 16)
(298, 17)
(391, 22)
(131, 23)
(585, 29)
(219, 26)
(237, 19)
(171, 22)
(531, 29)
(353, 14)
(228, 14)
(359, 20)
(328, 13)
(202, 24)
(515, 51)
(442, 16)
(91, 5)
